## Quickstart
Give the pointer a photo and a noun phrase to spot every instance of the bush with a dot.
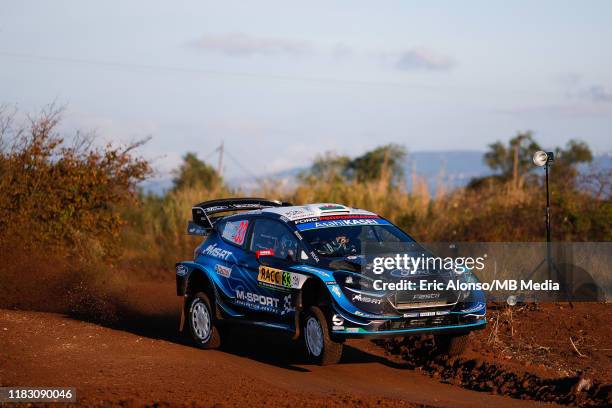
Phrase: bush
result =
(60, 206)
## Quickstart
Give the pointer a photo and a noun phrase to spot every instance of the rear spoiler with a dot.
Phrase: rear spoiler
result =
(202, 223)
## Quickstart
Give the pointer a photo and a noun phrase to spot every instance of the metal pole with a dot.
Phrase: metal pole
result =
(548, 248)
(220, 162)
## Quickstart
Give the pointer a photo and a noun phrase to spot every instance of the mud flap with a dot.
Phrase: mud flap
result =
(298, 311)
(182, 320)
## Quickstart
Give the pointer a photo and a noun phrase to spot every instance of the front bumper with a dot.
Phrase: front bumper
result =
(359, 332)
(418, 323)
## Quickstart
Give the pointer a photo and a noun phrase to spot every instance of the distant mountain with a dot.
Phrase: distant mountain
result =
(449, 169)
(157, 186)
(452, 168)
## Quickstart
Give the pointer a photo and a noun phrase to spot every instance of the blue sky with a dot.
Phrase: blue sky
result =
(280, 82)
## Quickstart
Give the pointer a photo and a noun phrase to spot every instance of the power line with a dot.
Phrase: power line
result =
(207, 71)
(130, 65)
(237, 163)
(210, 153)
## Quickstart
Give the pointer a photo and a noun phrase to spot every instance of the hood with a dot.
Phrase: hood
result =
(368, 292)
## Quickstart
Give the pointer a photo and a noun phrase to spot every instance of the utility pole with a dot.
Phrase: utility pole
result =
(515, 169)
(220, 162)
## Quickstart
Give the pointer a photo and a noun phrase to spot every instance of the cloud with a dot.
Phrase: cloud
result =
(423, 58)
(341, 50)
(558, 110)
(598, 93)
(576, 88)
(243, 45)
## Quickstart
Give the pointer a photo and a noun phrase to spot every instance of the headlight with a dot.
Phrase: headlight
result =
(467, 277)
(352, 280)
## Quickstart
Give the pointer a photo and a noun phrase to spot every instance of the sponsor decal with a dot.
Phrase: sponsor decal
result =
(427, 314)
(426, 296)
(314, 256)
(366, 299)
(214, 251)
(246, 205)
(287, 306)
(344, 222)
(297, 213)
(336, 291)
(257, 302)
(305, 220)
(280, 278)
(264, 252)
(181, 270)
(335, 217)
(346, 216)
(337, 320)
(330, 207)
(217, 208)
(338, 328)
(223, 270)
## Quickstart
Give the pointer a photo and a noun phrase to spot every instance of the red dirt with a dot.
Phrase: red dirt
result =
(525, 352)
(140, 360)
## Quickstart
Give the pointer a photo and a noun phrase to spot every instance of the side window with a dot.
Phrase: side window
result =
(235, 231)
(270, 234)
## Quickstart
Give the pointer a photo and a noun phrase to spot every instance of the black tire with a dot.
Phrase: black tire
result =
(203, 331)
(451, 345)
(331, 351)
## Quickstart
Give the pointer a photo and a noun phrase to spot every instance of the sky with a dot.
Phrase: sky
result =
(280, 82)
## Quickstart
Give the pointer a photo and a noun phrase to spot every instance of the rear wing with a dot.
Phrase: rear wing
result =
(202, 222)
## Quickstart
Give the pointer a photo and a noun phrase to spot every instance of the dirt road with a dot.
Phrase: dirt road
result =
(141, 360)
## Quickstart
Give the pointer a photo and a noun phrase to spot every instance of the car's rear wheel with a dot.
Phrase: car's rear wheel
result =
(321, 348)
(202, 327)
(451, 345)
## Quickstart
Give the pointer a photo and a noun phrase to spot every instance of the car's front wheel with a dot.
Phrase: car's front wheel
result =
(320, 347)
(200, 318)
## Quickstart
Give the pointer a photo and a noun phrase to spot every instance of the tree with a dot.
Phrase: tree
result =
(382, 161)
(194, 173)
(566, 161)
(514, 160)
(328, 167)
(372, 165)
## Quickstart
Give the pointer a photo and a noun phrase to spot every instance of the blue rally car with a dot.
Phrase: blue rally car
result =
(301, 269)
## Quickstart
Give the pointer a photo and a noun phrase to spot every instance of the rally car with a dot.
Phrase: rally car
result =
(304, 270)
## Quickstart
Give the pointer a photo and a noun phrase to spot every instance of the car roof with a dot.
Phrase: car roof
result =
(296, 212)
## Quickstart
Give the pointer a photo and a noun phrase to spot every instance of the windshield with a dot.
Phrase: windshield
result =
(344, 241)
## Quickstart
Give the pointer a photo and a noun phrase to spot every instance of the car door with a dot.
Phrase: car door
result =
(264, 295)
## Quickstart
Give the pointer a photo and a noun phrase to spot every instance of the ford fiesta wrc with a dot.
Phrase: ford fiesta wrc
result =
(306, 270)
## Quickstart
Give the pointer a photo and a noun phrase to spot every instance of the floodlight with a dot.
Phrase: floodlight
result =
(545, 159)
(540, 158)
